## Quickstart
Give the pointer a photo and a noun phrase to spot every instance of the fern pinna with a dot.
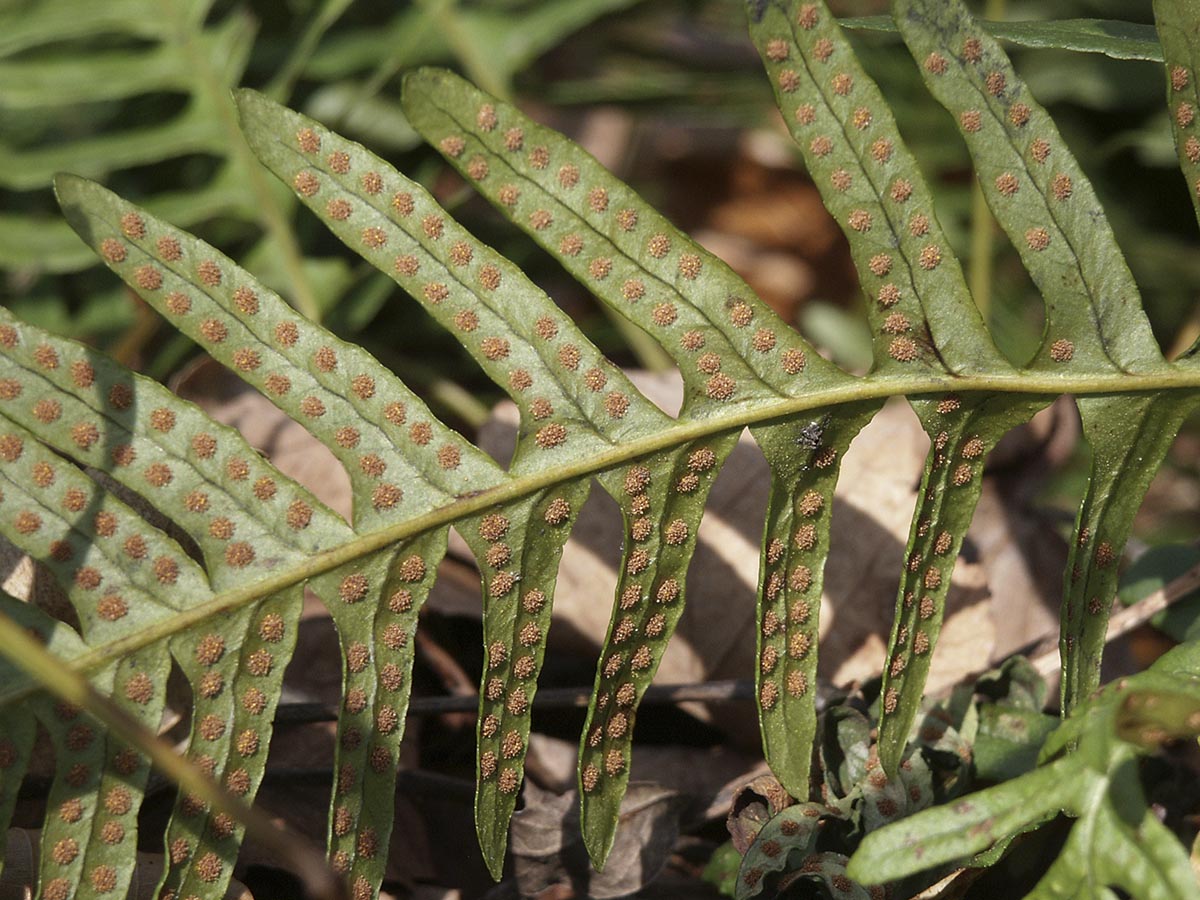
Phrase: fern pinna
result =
(226, 611)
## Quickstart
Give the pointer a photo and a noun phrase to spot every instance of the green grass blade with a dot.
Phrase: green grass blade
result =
(1110, 37)
(19, 724)
(233, 705)
(956, 831)
(26, 650)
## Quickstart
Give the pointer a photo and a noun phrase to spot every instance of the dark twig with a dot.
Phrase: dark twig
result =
(1046, 660)
(452, 676)
(731, 691)
(1043, 655)
(408, 781)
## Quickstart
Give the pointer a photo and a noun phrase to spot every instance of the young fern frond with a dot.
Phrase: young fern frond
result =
(227, 613)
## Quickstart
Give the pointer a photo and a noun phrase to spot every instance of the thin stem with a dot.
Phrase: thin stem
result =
(303, 858)
(284, 82)
(216, 93)
(1026, 383)
(979, 272)
(128, 350)
(1188, 337)
(648, 352)
(414, 37)
(734, 690)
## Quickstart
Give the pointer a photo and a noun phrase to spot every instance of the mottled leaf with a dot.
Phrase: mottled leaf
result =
(1117, 840)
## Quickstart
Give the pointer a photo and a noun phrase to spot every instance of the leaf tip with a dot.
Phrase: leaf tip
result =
(247, 100)
(599, 832)
(419, 83)
(258, 116)
(491, 831)
(73, 193)
(67, 184)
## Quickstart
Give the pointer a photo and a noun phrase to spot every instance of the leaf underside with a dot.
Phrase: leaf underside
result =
(222, 604)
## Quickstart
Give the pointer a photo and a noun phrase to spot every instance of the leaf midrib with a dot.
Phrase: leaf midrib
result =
(1170, 378)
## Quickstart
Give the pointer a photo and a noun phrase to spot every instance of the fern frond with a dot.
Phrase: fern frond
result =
(362, 413)
(921, 314)
(122, 574)
(732, 351)
(1094, 319)
(227, 614)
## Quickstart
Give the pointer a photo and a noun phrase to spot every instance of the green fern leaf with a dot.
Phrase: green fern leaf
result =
(1094, 321)
(122, 575)
(921, 315)
(229, 620)
(114, 575)
(634, 260)
(349, 402)
(1176, 21)
(20, 727)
